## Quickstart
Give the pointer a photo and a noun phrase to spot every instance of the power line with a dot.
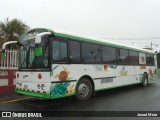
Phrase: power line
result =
(146, 42)
(147, 38)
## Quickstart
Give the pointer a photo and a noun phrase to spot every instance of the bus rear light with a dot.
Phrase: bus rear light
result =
(17, 75)
(39, 75)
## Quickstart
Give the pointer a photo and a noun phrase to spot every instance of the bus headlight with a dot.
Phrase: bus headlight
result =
(39, 75)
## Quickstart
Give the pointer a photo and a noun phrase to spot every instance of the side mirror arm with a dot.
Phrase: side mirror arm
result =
(38, 39)
(4, 46)
(7, 43)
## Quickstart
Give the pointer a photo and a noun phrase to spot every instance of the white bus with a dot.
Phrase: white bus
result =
(58, 64)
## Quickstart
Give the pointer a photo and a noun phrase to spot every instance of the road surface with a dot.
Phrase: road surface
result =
(130, 98)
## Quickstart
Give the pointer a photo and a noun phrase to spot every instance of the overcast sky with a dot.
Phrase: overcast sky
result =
(119, 20)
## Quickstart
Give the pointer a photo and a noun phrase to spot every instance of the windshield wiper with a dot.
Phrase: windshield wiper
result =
(27, 55)
(25, 59)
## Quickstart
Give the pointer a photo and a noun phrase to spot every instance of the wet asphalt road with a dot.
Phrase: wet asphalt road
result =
(130, 98)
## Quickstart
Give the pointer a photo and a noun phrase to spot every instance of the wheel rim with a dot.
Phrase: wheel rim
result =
(83, 90)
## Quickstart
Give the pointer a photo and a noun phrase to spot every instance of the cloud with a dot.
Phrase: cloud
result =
(99, 18)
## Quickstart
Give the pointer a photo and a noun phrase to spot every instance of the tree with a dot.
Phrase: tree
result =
(12, 29)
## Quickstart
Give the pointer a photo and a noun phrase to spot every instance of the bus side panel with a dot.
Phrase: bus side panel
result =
(63, 83)
(64, 77)
(123, 75)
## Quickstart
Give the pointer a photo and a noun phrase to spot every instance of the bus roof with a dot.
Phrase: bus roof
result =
(93, 40)
(99, 41)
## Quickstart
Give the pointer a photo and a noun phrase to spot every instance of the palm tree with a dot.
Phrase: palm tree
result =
(12, 29)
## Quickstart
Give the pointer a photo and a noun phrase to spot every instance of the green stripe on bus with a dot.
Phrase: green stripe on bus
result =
(99, 42)
(34, 94)
(41, 95)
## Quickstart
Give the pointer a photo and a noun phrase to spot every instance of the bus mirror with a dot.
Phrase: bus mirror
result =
(3, 55)
(7, 43)
(156, 52)
(38, 51)
(4, 47)
(38, 38)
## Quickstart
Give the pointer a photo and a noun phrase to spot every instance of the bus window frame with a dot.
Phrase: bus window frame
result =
(61, 39)
(137, 56)
(116, 55)
(69, 52)
(118, 50)
(153, 59)
(82, 61)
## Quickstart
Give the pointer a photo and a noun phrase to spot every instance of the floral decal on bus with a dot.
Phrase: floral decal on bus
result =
(62, 75)
(142, 59)
(71, 89)
(113, 66)
(55, 67)
(150, 74)
(143, 67)
(59, 89)
(105, 66)
(123, 71)
(62, 89)
(98, 67)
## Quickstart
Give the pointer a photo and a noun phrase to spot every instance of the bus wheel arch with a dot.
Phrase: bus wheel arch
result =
(145, 79)
(88, 81)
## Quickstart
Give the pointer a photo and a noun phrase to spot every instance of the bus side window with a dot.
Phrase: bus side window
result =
(56, 50)
(109, 55)
(59, 51)
(75, 51)
(133, 58)
(63, 51)
(123, 57)
(91, 53)
(149, 59)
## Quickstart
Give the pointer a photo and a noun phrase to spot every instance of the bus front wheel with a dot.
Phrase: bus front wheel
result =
(83, 90)
(144, 80)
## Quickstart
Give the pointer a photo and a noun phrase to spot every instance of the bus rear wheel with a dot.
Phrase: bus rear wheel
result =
(144, 80)
(83, 90)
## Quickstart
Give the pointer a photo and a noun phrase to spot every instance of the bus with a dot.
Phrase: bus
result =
(56, 64)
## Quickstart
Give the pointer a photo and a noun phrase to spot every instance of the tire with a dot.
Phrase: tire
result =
(144, 80)
(83, 90)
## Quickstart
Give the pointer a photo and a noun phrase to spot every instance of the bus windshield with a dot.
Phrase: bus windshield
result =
(28, 59)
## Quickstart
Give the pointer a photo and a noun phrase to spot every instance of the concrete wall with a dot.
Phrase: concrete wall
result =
(7, 81)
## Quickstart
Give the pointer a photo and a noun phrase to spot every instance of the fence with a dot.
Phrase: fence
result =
(10, 61)
(7, 71)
